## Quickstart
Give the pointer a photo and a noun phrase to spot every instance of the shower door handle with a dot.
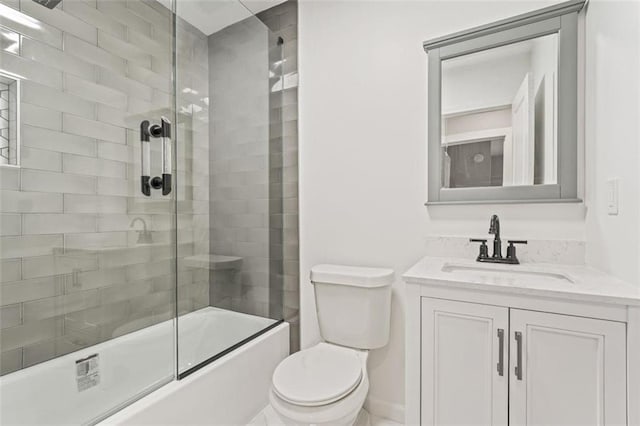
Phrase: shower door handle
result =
(165, 127)
(162, 131)
(145, 158)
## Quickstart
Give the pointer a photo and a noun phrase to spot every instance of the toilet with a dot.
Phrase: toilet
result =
(328, 383)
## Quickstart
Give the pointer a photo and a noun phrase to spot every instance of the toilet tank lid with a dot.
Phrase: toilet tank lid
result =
(352, 275)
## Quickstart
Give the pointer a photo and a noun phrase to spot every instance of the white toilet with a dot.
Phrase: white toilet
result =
(328, 383)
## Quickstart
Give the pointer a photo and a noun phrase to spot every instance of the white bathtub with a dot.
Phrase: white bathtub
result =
(137, 363)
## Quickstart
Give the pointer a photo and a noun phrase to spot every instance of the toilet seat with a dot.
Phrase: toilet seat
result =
(318, 376)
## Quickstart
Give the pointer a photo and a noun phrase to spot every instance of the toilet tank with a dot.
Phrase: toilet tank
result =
(353, 304)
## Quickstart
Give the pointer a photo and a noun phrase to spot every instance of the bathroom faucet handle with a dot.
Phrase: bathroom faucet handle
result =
(511, 250)
(517, 242)
(484, 249)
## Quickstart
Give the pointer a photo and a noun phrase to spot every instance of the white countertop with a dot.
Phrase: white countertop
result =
(560, 281)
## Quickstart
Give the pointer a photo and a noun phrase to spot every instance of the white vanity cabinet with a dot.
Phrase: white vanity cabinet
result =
(566, 370)
(491, 365)
(509, 351)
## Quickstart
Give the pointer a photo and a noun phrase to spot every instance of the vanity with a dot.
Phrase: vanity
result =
(499, 344)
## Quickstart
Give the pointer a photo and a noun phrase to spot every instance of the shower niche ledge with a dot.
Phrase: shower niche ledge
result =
(213, 262)
(532, 344)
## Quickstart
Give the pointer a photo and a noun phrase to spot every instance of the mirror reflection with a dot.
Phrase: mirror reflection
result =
(499, 109)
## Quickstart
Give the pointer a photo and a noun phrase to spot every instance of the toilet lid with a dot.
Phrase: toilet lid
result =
(318, 376)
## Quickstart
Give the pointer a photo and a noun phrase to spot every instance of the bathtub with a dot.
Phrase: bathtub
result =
(144, 363)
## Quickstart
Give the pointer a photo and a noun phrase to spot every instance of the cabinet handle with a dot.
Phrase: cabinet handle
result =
(501, 352)
(518, 369)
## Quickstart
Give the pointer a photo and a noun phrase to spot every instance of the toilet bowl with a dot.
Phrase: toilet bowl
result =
(328, 383)
(323, 385)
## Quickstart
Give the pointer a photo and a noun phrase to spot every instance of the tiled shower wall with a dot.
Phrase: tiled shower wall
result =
(254, 177)
(282, 20)
(72, 271)
(239, 183)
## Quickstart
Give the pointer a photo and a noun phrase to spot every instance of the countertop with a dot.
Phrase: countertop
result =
(573, 282)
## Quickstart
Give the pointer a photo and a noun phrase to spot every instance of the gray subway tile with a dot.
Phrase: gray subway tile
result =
(94, 204)
(94, 129)
(29, 333)
(32, 27)
(29, 202)
(93, 54)
(95, 279)
(10, 270)
(9, 178)
(29, 245)
(10, 361)
(116, 186)
(60, 223)
(95, 18)
(158, 20)
(33, 289)
(44, 54)
(61, 20)
(10, 315)
(115, 151)
(45, 266)
(117, 9)
(38, 116)
(95, 241)
(92, 166)
(118, 117)
(94, 92)
(32, 158)
(37, 137)
(10, 224)
(31, 70)
(48, 97)
(129, 256)
(141, 90)
(35, 180)
(150, 78)
(161, 51)
(128, 51)
(60, 305)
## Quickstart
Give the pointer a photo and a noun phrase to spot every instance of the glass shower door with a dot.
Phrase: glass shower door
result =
(229, 194)
(88, 245)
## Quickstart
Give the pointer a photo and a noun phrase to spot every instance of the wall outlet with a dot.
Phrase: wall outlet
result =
(612, 196)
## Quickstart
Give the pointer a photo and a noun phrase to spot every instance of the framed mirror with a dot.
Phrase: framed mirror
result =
(503, 110)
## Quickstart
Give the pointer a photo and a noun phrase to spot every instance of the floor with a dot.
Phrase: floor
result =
(268, 418)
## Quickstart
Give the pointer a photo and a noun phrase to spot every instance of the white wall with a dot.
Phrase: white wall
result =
(613, 135)
(363, 153)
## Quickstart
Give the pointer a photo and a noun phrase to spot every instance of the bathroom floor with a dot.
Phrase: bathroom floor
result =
(267, 417)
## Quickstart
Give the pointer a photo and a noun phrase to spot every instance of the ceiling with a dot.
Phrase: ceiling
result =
(210, 16)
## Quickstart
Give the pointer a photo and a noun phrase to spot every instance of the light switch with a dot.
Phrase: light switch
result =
(612, 196)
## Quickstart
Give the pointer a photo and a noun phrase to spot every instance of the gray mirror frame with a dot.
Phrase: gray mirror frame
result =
(561, 19)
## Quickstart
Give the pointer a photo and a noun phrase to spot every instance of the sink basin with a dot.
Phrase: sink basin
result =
(511, 273)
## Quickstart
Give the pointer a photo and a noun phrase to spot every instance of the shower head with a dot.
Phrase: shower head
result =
(48, 3)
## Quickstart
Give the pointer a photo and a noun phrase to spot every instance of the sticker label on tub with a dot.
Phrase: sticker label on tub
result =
(87, 372)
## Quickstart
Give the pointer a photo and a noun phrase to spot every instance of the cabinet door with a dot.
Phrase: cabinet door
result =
(566, 370)
(464, 363)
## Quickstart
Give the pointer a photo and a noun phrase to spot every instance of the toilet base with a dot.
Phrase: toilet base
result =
(362, 419)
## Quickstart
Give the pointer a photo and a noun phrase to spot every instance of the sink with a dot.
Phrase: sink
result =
(510, 273)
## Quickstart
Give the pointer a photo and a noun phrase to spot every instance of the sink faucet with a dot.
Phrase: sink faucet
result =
(144, 236)
(494, 229)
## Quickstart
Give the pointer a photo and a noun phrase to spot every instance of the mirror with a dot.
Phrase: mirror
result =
(498, 116)
(503, 110)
